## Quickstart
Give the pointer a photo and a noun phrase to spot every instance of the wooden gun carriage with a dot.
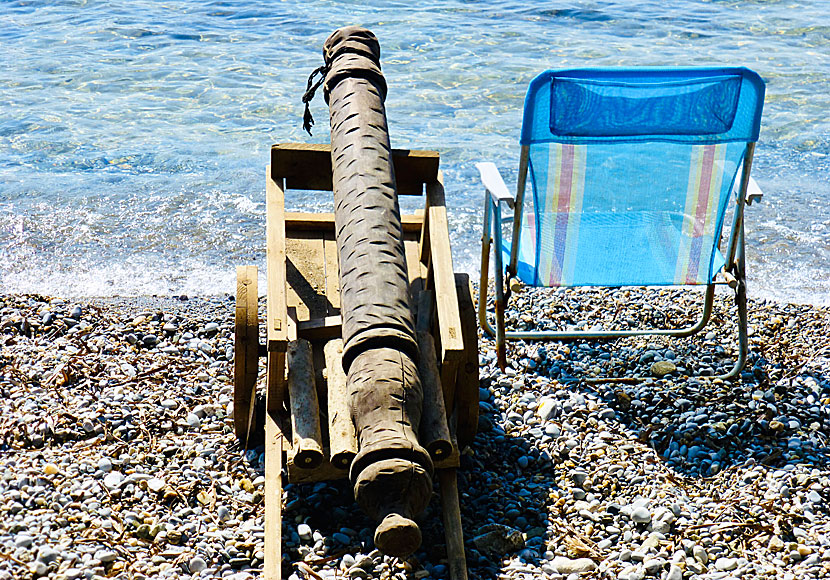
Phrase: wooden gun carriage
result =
(301, 414)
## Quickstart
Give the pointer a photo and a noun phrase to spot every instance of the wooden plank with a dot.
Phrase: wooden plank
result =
(308, 166)
(275, 258)
(449, 375)
(273, 499)
(413, 261)
(451, 460)
(324, 222)
(332, 272)
(442, 275)
(305, 276)
(277, 321)
(453, 532)
(320, 328)
(246, 351)
(342, 437)
(275, 382)
(467, 378)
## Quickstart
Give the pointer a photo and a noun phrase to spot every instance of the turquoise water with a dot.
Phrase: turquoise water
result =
(134, 134)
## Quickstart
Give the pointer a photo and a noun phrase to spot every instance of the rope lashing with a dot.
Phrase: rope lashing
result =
(311, 88)
(355, 48)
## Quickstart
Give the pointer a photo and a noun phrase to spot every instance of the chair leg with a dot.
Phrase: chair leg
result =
(740, 302)
(501, 351)
(501, 346)
(485, 270)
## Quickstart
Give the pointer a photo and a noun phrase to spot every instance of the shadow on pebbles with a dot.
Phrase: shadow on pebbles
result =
(118, 458)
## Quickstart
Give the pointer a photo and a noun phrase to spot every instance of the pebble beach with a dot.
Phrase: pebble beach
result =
(594, 459)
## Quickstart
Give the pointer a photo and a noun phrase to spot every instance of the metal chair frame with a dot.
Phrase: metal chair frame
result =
(497, 195)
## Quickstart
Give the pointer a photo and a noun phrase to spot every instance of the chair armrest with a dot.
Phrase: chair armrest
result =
(753, 192)
(493, 182)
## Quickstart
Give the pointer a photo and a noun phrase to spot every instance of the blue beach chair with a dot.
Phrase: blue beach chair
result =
(630, 172)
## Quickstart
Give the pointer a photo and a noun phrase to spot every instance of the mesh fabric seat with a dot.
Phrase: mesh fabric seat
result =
(631, 172)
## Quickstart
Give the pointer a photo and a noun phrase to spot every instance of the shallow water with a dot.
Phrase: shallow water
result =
(134, 135)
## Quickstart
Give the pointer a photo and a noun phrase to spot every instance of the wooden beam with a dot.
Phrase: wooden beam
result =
(273, 499)
(442, 275)
(298, 221)
(246, 351)
(326, 328)
(278, 324)
(332, 273)
(305, 275)
(308, 166)
(342, 437)
(453, 533)
(307, 444)
(275, 258)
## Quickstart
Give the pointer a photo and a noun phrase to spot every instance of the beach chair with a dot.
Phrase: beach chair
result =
(631, 173)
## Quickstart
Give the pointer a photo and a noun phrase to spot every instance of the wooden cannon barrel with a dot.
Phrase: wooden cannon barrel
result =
(391, 472)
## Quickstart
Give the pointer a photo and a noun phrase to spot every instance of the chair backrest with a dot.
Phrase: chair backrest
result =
(630, 173)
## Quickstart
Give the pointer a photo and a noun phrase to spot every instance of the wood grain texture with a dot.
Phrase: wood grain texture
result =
(246, 352)
(272, 569)
(434, 434)
(305, 275)
(467, 379)
(277, 315)
(342, 437)
(324, 222)
(307, 439)
(453, 532)
(442, 274)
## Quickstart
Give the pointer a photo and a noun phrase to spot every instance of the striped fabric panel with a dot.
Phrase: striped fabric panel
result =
(565, 189)
(702, 196)
(527, 247)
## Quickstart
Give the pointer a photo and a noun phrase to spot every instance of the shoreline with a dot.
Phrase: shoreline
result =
(119, 460)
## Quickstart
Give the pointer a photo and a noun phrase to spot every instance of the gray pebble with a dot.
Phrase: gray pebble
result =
(341, 538)
(304, 531)
(640, 515)
(566, 566)
(47, 555)
(197, 564)
(106, 556)
(726, 564)
(193, 421)
(675, 573)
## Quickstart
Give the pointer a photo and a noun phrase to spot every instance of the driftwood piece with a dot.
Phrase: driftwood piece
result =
(307, 447)
(342, 441)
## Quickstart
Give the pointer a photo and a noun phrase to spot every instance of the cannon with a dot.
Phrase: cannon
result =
(370, 351)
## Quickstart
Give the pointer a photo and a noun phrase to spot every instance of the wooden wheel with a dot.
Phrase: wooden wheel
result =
(246, 356)
(466, 386)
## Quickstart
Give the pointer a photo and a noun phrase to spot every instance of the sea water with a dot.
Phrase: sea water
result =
(134, 134)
